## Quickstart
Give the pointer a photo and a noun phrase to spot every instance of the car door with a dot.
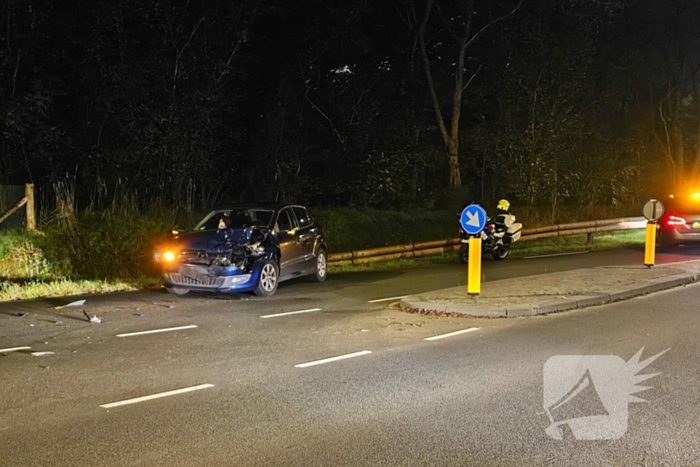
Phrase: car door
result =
(307, 237)
(290, 246)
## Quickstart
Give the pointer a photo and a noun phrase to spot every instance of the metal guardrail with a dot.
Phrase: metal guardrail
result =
(440, 247)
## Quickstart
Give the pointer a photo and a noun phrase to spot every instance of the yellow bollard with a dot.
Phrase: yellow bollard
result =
(474, 267)
(650, 244)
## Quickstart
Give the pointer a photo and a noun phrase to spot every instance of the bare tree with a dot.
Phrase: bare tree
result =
(466, 36)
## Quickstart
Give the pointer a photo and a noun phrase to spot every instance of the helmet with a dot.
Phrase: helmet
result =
(503, 205)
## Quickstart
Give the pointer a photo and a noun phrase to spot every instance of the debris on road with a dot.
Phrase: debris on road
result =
(94, 319)
(21, 315)
(76, 303)
(41, 354)
(14, 349)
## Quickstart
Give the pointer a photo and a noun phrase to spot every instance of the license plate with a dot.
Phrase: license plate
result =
(192, 271)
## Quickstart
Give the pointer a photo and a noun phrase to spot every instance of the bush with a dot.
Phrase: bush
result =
(115, 244)
(12, 241)
(353, 229)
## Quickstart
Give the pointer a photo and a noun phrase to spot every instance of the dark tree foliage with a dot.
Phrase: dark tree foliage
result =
(177, 102)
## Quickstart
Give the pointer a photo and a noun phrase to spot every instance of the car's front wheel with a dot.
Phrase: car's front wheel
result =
(177, 290)
(269, 277)
(321, 267)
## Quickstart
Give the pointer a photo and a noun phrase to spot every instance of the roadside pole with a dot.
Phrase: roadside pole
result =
(652, 210)
(473, 221)
(650, 244)
(474, 266)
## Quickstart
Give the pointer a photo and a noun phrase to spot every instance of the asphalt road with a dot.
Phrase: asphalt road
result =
(470, 399)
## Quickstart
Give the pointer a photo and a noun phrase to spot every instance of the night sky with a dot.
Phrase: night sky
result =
(335, 103)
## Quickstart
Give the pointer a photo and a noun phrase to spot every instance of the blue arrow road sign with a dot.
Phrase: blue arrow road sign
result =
(473, 219)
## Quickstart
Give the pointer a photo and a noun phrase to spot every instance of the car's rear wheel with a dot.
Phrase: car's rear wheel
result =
(321, 271)
(269, 278)
(177, 290)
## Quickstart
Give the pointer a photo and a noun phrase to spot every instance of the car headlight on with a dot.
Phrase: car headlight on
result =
(167, 256)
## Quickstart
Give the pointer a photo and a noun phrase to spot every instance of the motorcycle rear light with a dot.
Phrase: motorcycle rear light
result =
(675, 220)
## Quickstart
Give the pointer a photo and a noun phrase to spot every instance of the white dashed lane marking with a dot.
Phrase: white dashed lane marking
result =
(291, 313)
(450, 334)
(333, 359)
(156, 396)
(386, 299)
(154, 331)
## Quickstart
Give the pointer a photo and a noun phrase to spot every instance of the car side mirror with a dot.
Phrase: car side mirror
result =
(176, 230)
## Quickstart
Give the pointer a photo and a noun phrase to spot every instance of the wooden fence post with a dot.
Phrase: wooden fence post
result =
(31, 214)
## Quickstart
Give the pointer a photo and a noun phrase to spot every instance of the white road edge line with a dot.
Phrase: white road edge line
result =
(156, 396)
(13, 349)
(333, 359)
(291, 313)
(386, 299)
(191, 326)
(450, 334)
(557, 254)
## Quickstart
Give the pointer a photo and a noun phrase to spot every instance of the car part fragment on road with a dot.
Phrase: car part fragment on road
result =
(77, 303)
(94, 319)
(14, 349)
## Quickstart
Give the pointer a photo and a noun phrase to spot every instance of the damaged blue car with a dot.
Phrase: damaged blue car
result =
(244, 248)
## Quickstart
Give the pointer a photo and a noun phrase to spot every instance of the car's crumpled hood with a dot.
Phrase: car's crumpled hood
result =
(214, 241)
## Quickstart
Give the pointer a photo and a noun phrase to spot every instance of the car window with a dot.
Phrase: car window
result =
(283, 221)
(236, 219)
(261, 216)
(303, 217)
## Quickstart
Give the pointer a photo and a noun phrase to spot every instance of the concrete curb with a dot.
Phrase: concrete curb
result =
(415, 304)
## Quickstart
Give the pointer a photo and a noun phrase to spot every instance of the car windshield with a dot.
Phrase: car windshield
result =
(239, 218)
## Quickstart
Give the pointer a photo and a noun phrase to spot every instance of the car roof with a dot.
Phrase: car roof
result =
(276, 206)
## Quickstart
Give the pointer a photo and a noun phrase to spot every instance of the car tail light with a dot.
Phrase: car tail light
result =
(675, 220)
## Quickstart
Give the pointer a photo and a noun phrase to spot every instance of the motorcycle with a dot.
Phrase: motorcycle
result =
(496, 238)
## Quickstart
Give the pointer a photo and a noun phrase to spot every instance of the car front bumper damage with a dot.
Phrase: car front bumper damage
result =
(199, 277)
